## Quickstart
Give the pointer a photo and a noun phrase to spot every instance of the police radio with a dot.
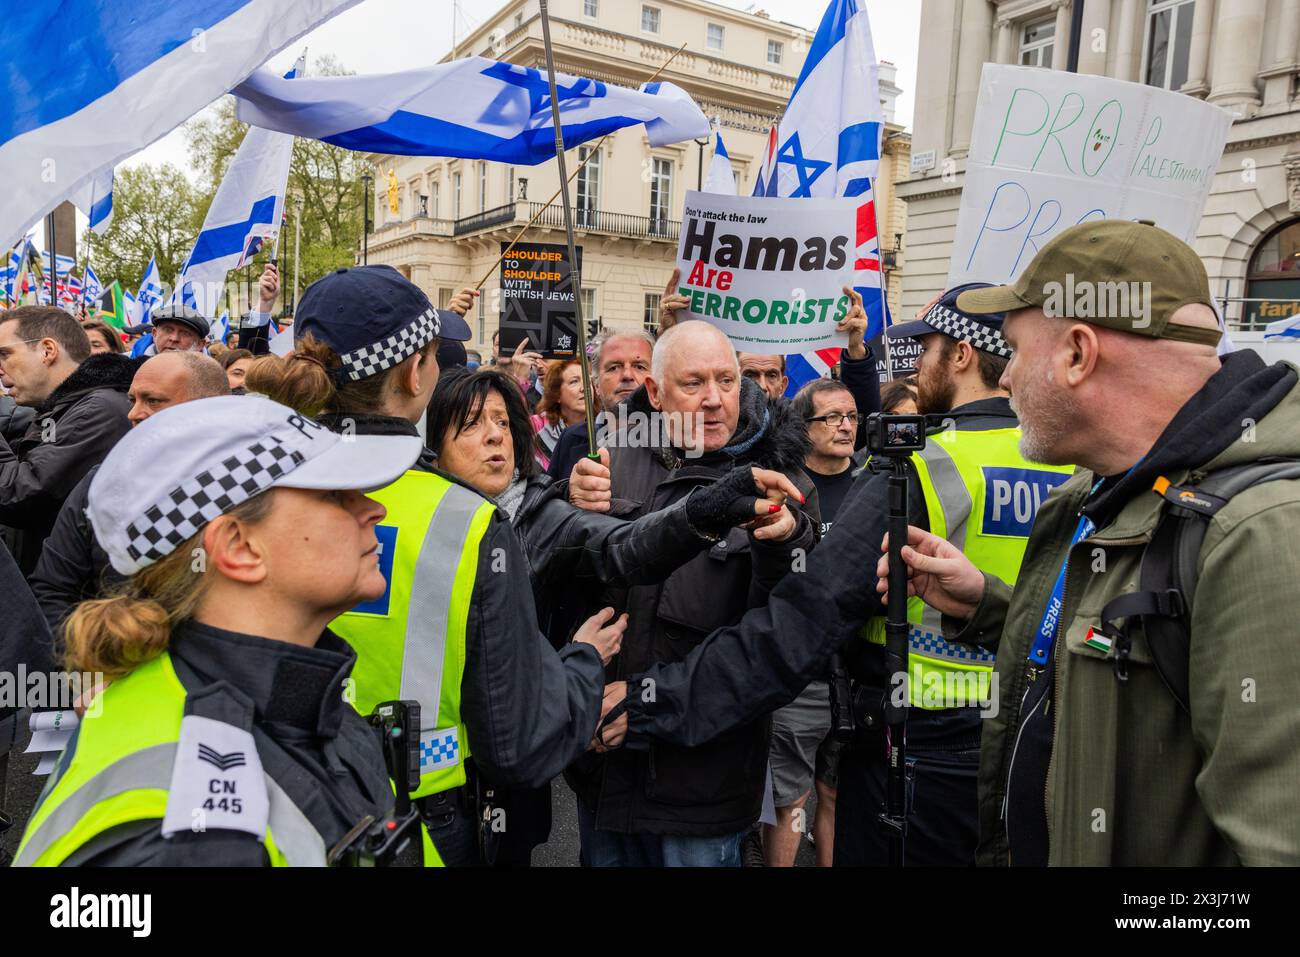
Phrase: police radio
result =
(379, 842)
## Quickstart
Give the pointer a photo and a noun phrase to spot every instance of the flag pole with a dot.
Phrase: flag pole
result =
(575, 275)
(884, 287)
(547, 205)
(54, 258)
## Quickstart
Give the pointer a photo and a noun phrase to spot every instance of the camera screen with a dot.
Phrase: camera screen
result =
(902, 434)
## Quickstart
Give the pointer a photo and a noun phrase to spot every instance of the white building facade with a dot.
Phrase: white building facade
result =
(453, 215)
(1243, 55)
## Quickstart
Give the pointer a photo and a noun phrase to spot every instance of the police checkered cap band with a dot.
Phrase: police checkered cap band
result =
(190, 463)
(378, 356)
(189, 506)
(954, 324)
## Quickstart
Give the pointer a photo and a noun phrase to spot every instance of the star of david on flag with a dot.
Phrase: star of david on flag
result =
(828, 144)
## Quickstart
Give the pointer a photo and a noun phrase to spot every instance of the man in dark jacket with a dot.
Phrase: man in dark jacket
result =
(81, 405)
(73, 567)
(673, 805)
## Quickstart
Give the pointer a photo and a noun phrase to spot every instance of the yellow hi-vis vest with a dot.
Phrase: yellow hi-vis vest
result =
(118, 769)
(410, 642)
(981, 495)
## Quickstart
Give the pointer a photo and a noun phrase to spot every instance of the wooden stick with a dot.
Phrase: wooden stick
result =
(547, 205)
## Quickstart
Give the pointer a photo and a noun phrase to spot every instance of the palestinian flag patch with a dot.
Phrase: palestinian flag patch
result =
(1095, 639)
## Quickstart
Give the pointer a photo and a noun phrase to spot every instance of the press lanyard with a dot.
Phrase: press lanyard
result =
(1051, 623)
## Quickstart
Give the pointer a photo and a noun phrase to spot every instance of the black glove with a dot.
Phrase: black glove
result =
(713, 509)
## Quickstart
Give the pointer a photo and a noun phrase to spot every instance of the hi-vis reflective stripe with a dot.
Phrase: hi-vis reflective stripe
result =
(431, 594)
(955, 504)
(150, 769)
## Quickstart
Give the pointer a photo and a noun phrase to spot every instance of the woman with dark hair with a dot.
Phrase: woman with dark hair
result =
(103, 337)
(237, 362)
(562, 404)
(480, 431)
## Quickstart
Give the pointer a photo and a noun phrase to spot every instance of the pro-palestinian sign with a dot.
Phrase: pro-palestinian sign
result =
(1051, 149)
(770, 273)
(537, 299)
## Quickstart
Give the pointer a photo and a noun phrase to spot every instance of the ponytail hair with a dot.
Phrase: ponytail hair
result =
(309, 382)
(116, 635)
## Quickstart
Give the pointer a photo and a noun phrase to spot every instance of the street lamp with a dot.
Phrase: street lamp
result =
(365, 233)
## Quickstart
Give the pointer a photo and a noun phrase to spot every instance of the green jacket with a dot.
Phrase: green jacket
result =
(1133, 779)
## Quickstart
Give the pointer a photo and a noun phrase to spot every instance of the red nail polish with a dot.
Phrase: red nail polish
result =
(773, 509)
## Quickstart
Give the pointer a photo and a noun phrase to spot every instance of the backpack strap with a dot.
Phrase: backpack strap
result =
(1168, 574)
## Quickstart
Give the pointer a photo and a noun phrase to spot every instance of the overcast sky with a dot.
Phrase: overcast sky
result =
(382, 36)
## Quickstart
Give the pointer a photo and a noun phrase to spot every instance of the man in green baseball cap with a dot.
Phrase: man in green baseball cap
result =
(1129, 730)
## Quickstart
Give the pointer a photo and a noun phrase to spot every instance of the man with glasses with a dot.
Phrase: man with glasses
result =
(803, 751)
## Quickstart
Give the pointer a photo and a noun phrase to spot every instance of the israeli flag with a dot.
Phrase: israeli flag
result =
(92, 289)
(721, 179)
(131, 310)
(220, 329)
(96, 200)
(17, 264)
(828, 144)
(1283, 329)
(151, 291)
(245, 213)
(63, 263)
(473, 108)
(87, 83)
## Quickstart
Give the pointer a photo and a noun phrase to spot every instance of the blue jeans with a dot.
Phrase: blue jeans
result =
(615, 849)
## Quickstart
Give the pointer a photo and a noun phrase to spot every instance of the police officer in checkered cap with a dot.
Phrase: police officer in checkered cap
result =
(457, 627)
(972, 485)
(224, 736)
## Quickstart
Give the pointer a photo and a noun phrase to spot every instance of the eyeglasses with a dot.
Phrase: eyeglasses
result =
(833, 419)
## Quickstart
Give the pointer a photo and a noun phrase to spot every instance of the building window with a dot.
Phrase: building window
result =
(1036, 43)
(482, 187)
(444, 297)
(482, 318)
(588, 304)
(455, 195)
(510, 185)
(649, 19)
(435, 191)
(775, 52)
(591, 8)
(519, 20)
(1273, 278)
(714, 35)
(661, 195)
(588, 200)
(1169, 42)
(650, 319)
(422, 203)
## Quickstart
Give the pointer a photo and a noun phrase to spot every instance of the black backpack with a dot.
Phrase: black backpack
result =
(1167, 575)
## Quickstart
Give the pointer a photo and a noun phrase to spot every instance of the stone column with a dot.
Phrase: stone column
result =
(1198, 62)
(1128, 39)
(1061, 39)
(1005, 46)
(1096, 16)
(972, 52)
(1237, 40)
(1277, 73)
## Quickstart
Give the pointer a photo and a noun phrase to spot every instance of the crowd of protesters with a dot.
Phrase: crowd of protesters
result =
(663, 619)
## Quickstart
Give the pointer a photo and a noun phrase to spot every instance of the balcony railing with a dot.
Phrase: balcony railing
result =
(585, 221)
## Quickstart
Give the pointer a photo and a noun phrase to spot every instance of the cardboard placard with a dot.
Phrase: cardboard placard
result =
(770, 272)
(1051, 149)
(537, 300)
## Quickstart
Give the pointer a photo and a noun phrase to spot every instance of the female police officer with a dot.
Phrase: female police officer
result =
(223, 737)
